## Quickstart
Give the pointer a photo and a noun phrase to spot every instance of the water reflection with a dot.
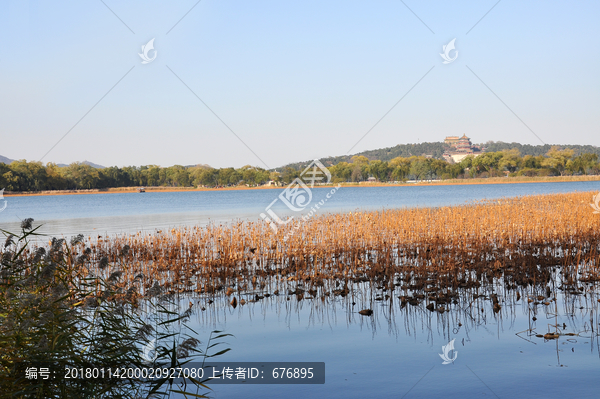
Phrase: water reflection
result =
(118, 213)
(395, 351)
(534, 315)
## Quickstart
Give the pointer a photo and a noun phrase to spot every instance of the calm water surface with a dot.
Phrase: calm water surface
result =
(395, 352)
(132, 212)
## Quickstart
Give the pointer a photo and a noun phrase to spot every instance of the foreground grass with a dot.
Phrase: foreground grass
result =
(57, 315)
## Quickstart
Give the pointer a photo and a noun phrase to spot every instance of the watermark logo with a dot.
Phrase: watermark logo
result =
(596, 204)
(446, 54)
(316, 171)
(145, 50)
(3, 207)
(298, 194)
(446, 355)
(149, 352)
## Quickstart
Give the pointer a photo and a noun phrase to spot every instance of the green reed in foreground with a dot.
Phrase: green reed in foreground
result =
(55, 313)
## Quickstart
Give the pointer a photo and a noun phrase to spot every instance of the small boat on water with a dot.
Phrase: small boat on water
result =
(142, 190)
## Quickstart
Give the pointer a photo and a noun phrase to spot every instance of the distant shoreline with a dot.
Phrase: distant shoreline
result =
(450, 182)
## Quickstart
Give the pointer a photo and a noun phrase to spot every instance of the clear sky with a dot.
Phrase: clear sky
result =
(294, 80)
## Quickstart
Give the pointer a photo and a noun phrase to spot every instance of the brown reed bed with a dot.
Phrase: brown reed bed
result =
(422, 256)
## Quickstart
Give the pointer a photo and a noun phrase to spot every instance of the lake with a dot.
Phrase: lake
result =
(395, 352)
(100, 214)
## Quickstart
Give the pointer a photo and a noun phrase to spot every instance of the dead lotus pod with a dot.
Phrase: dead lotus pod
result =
(551, 336)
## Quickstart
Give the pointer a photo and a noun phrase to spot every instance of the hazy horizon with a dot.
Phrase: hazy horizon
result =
(95, 164)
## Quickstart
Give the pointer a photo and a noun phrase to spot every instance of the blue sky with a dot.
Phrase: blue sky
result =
(293, 80)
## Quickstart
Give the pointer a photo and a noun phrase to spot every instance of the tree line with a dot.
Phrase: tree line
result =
(34, 176)
(437, 149)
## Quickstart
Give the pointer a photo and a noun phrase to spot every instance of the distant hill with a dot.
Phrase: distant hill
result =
(5, 160)
(436, 149)
(60, 165)
(200, 165)
(94, 165)
(385, 154)
(535, 150)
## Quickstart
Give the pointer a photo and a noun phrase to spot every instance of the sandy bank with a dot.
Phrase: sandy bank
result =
(491, 180)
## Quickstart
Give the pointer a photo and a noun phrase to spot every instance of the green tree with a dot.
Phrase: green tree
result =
(289, 174)
(12, 181)
(557, 160)
(582, 164)
(55, 181)
(33, 175)
(203, 176)
(379, 169)
(400, 168)
(420, 168)
(453, 171)
(228, 177)
(438, 167)
(532, 162)
(342, 172)
(80, 176)
(178, 176)
(360, 168)
(275, 176)
(510, 161)
(151, 175)
(487, 162)
(114, 177)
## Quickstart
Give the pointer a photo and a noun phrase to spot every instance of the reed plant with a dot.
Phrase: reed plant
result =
(523, 240)
(56, 313)
(431, 258)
